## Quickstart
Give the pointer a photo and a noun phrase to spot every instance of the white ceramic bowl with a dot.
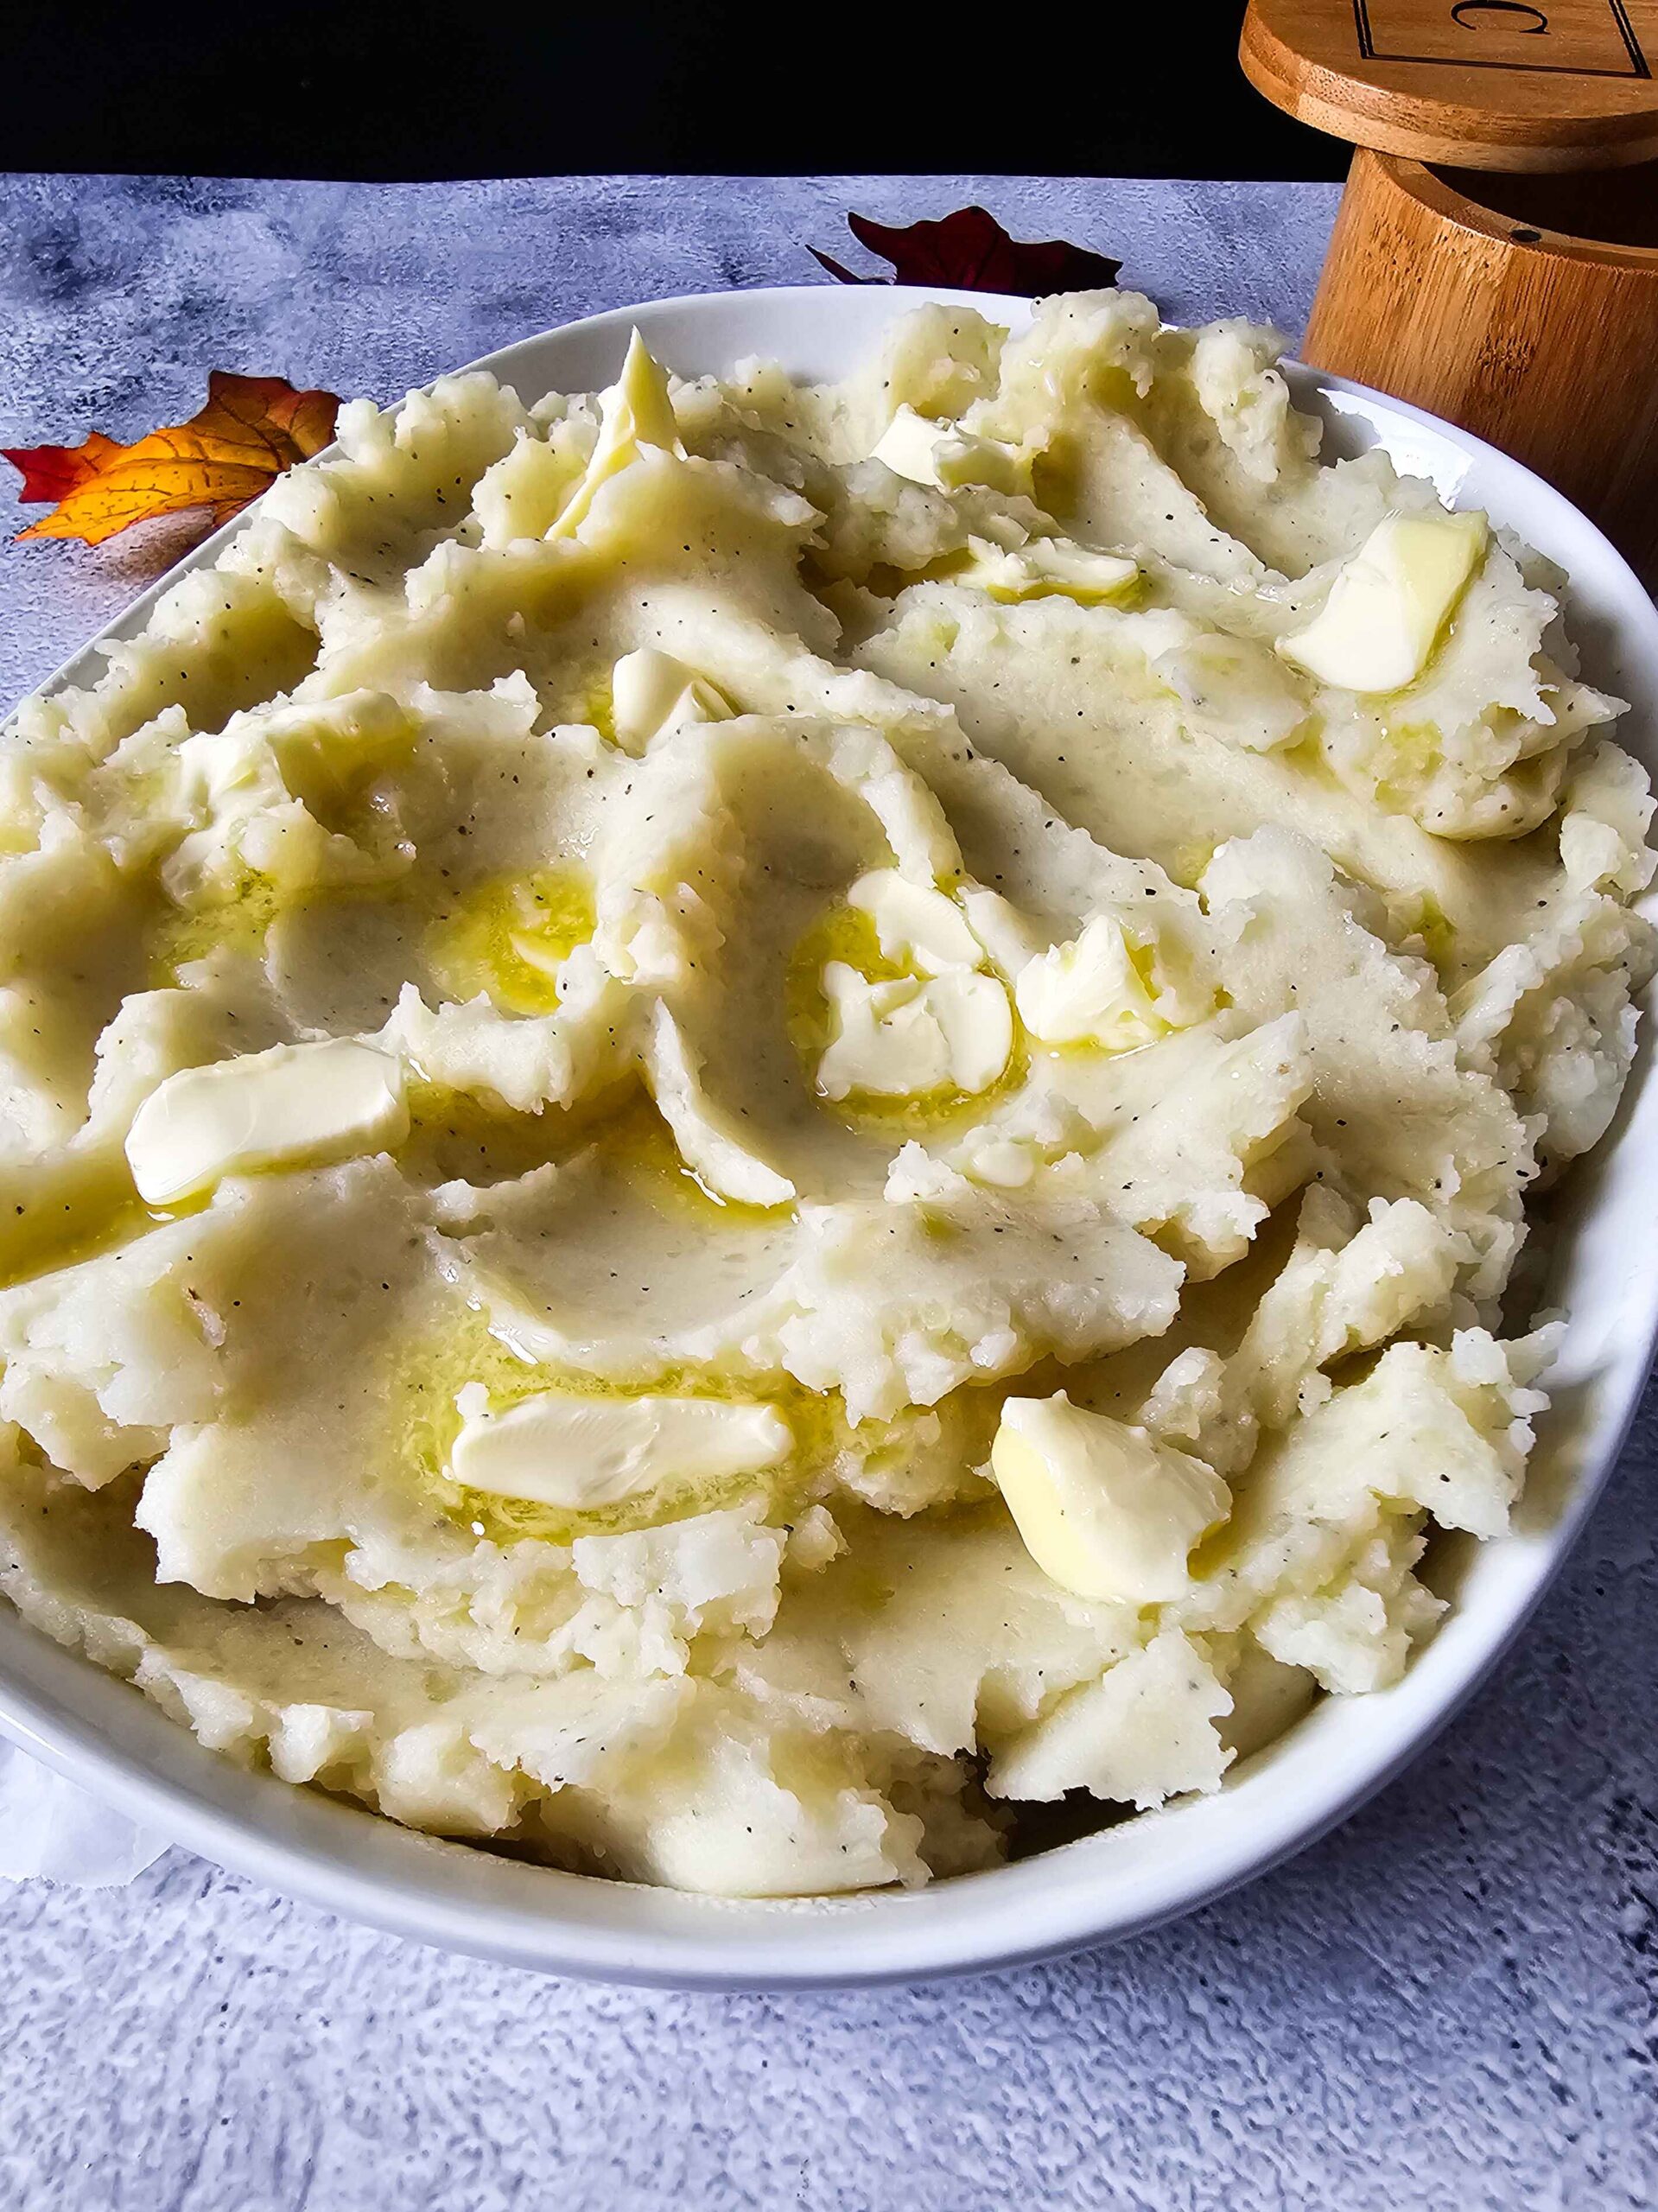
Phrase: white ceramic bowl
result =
(1602, 1265)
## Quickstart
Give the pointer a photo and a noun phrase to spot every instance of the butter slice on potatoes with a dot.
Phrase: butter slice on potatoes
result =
(946, 458)
(562, 1449)
(911, 1035)
(1390, 603)
(650, 690)
(294, 1105)
(909, 444)
(1089, 992)
(915, 923)
(1046, 568)
(1105, 1510)
(636, 411)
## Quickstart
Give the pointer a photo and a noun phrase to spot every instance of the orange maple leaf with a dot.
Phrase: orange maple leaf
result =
(251, 430)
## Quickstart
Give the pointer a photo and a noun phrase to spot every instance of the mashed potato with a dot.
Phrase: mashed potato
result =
(743, 1122)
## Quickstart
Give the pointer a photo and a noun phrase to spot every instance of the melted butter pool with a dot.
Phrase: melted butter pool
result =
(847, 934)
(79, 1212)
(425, 1421)
(507, 938)
(235, 921)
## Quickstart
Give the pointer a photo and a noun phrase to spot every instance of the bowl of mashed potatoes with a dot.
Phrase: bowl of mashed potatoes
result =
(792, 1092)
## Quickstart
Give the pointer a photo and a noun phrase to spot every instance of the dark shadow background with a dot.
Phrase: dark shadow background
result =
(377, 91)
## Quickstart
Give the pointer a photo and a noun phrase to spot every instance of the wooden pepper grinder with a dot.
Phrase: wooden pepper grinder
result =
(1494, 259)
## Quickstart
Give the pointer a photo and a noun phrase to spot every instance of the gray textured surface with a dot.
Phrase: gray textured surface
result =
(1453, 2002)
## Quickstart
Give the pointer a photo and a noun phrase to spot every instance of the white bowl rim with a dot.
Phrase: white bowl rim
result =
(103, 1734)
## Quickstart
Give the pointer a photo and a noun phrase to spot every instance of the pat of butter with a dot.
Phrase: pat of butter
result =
(915, 923)
(561, 1449)
(651, 690)
(294, 1105)
(1006, 936)
(1089, 992)
(945, 457)
(906, 446)
(1390, 602)
(911, 1035)
(1107, 1511)
(635, 412)
(1046, 567)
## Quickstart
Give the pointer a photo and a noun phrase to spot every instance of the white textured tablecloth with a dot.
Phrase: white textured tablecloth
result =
(1453, 2002)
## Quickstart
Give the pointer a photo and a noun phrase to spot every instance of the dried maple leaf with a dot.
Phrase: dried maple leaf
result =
(52, 472)
(251, 430)
(970, 251)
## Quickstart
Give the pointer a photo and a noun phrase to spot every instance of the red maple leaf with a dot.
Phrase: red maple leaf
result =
(251, 430)
(52, 473)
(970, 251)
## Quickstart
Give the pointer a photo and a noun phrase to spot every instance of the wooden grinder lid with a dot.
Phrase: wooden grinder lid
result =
(1484, 83)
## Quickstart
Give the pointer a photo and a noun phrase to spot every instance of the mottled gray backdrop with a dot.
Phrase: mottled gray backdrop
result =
(1453, 2002)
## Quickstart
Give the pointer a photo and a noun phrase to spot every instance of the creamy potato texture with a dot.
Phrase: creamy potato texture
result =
(585, 1008)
